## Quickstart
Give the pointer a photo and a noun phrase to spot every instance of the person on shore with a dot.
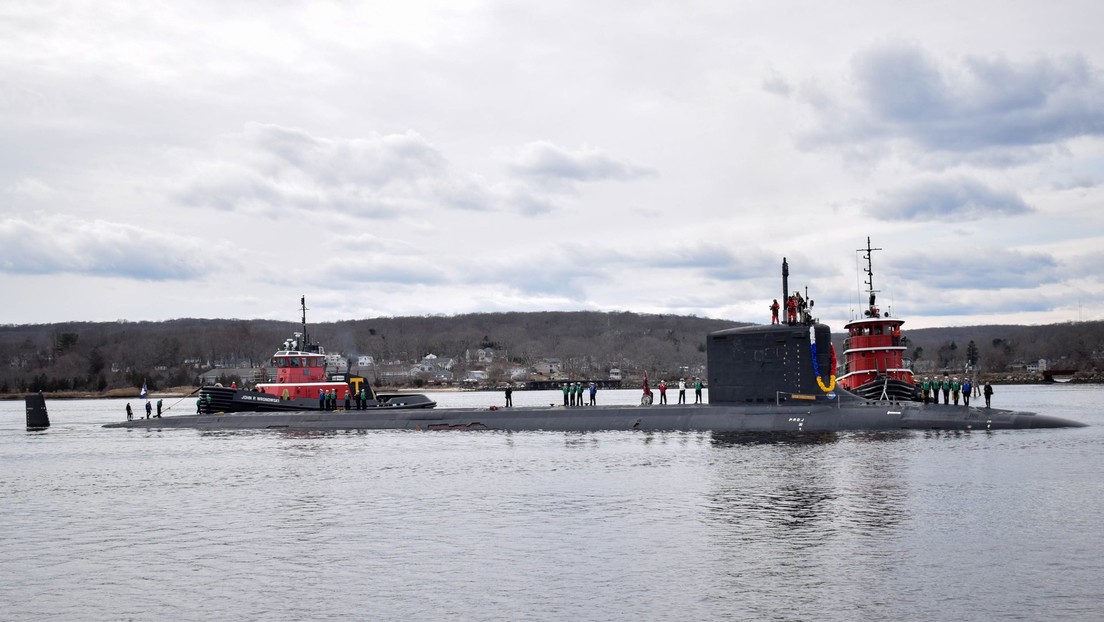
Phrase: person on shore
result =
(509, 396)
(955, 389)
(130, 413)
(682, 391)
(988, 393)
(662, 391)
(593, 394)
(966, 389)
(159, 408)
(774, 311)
(697, 391)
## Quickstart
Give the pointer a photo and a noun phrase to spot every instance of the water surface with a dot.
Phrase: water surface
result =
(114, 524)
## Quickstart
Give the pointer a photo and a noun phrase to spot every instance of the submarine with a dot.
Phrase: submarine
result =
(776, 378)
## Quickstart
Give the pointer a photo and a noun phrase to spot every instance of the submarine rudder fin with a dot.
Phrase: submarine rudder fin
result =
(37, 417)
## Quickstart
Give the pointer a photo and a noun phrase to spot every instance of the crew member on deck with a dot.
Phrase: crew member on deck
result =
(774, 311)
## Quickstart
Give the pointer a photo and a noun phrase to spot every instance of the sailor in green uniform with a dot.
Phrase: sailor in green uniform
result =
(955, 389)
(566, 392)
(925, 389)
(697, 391)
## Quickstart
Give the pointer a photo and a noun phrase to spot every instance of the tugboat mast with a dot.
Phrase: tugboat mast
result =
(872, 310)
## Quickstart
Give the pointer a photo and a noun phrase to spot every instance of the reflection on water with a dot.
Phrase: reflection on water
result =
(727, 439)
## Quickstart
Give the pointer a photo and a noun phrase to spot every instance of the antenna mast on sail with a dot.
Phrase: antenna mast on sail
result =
(303, 305)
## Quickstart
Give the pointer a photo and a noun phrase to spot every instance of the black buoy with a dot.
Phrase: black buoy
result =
(37, 419)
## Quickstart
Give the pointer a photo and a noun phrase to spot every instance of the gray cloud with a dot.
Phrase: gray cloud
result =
(545, 161)
(989, 110)
(56, 244)
(980, 269)
(951, 199)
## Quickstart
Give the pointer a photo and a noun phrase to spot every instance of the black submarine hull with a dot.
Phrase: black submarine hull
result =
(856, 415)
(225, 400)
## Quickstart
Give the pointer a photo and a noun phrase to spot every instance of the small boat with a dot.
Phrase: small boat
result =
(873, 356)
(303, 383)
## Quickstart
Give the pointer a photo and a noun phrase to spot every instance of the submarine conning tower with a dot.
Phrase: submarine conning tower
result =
(765, 364)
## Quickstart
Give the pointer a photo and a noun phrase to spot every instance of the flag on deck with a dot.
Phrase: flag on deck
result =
(647, 391)
(143, 393)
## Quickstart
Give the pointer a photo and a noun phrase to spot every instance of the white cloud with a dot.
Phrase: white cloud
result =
(57, 244)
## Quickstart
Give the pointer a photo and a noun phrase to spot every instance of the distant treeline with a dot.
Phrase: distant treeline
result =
(99, 356)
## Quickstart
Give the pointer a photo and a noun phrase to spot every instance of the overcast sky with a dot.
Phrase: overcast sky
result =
(220, 159)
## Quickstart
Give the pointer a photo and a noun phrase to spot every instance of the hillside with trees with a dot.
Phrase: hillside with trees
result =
(94, 357)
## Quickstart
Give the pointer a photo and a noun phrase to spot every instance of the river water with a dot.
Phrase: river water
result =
(109, 524)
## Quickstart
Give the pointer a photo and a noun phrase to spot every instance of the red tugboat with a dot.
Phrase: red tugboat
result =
(302, 383)
(873, 353)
